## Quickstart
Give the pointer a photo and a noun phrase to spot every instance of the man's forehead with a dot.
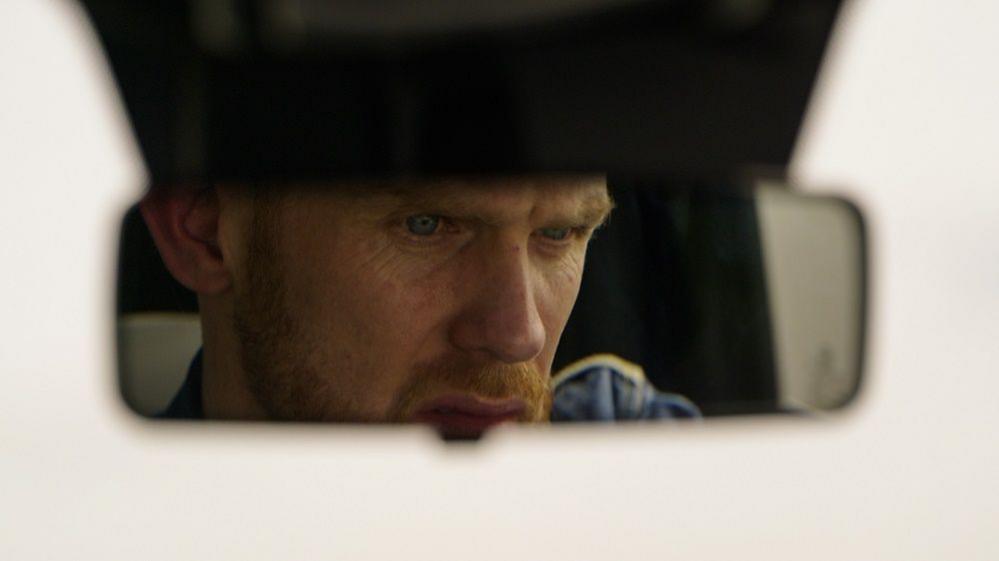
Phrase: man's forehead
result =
(583, 195)
(453, 186)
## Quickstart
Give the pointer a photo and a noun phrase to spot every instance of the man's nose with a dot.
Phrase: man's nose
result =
(501, 317)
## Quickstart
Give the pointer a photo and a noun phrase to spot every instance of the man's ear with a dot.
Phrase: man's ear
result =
(184, 223)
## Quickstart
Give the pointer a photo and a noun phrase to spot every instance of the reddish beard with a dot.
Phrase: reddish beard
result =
(494, 381)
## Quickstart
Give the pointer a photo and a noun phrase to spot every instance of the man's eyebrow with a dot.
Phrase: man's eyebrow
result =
(596, 210)
(448, 195)
(591, 211)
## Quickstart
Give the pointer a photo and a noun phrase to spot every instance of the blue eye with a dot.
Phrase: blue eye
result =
(422, 224)
(556, 234)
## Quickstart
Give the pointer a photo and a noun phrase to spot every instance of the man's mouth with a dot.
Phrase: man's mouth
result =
(468, 415)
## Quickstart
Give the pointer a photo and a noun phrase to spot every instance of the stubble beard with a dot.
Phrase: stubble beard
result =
(274, 351)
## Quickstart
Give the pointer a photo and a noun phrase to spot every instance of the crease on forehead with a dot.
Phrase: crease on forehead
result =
(588, 196)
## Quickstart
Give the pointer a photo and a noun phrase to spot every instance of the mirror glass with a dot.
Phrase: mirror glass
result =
(466, 302)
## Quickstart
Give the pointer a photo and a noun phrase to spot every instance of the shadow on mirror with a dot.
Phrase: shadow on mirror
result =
(465, 302)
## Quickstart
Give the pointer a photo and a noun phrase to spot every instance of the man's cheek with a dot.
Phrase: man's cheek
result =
(399, 317)
(560, 287)
(556, 301)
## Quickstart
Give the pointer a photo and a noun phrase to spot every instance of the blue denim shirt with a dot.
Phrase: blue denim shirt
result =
(608, 388)
(599, 388)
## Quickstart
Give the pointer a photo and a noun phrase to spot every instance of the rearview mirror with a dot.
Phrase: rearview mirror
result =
(738, 300)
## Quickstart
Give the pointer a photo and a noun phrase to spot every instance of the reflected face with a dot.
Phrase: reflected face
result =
(438, 303)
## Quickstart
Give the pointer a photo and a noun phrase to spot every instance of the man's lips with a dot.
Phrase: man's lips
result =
(467, 415)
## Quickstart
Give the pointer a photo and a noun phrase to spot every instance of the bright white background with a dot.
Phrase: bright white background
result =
(906, 122)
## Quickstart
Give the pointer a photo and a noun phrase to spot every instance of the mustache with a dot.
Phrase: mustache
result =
(495, 380)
